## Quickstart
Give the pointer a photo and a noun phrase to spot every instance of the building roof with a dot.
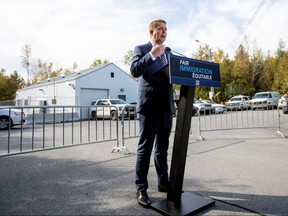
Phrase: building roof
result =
(70, 76)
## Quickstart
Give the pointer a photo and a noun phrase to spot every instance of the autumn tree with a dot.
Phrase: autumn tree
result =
(227, 89)
(26, 60)
(9, 85)
(128, 61)
(283, 74)
(98, 62)
(279, 67)
(256, 71)
(3, 85)
(204, 53)
(128, 57)
(42, 70)
(267, 79)
(241, 72)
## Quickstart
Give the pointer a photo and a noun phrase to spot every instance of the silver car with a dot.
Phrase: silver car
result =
(11, 117)
(219, 108)
(284, 104)
(108, 108)
(265, 100)
(204, 108)
(239, 102)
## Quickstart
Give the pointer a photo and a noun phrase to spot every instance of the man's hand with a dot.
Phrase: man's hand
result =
(157, 50)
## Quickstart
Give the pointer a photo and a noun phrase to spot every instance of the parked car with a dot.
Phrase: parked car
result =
(203, 107)
(11, 117)
(219, 108)
(239, 102)
(282, 100)
(106, 108)
(284, 104)
(194, 110)
(266, 100)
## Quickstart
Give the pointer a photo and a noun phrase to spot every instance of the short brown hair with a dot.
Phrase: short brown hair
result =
(155, 23)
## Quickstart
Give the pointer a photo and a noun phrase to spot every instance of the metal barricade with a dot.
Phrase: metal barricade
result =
(57, 127)
(241, 119)
(129, 127)
(64, 126)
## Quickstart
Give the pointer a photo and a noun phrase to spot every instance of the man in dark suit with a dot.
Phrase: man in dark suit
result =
(155, 109)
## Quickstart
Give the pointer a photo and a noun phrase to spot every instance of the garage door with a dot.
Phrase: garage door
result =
(88, 95)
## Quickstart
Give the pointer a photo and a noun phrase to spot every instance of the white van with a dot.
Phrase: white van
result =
(267, 100)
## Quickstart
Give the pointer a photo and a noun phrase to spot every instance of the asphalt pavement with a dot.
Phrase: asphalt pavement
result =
(244, 171)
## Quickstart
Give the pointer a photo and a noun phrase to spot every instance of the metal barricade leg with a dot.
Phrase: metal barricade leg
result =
(122, 149)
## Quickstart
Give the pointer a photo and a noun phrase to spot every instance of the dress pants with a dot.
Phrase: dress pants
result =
(155, 129)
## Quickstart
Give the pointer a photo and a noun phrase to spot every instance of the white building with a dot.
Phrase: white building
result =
(80, 89)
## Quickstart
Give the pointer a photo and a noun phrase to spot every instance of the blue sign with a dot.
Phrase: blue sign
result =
(192, 72)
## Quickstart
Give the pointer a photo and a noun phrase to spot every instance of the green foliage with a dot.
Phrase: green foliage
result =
(283, 73)
(9, 85)
(26, 60)
(128, 57)
(245, 74)
(98, 62)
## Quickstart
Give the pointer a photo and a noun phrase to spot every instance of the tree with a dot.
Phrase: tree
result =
(204, 52)
(267, 78)
(280, 50)
(128, 61)
(18, 80)
(257, 70)
(98, 62)
(9, 85)
(283, 74)
(128, 57)
(3, 88)
(2, 72)
(280, 68)
(26, 58)
(15, 82)
(241, 72)
(228, 88)
(42, 70)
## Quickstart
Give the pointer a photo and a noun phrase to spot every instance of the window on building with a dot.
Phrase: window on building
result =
(19, 102)
(123, 97)
(112, 74)
(26, 102)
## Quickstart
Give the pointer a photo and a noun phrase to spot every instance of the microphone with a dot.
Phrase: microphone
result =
(170, 50)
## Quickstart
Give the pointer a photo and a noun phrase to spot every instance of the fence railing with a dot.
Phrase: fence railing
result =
(52, 127)
(241, 119)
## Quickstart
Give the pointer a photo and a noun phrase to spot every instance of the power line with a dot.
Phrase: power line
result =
(250, 26)
(239, 37)
(257, 10)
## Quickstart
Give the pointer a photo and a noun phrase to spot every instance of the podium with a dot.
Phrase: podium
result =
(189, 73)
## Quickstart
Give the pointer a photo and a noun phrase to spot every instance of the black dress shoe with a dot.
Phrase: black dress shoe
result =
(163, 188)
(143, 199)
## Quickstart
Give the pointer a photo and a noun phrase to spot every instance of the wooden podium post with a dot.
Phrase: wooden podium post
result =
(179, 202)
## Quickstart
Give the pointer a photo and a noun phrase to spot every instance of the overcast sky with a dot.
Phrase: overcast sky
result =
(68, 31)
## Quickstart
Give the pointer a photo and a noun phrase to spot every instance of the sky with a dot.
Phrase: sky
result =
(68, 31)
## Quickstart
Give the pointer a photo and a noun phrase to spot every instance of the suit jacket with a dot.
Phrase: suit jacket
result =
(155, 91)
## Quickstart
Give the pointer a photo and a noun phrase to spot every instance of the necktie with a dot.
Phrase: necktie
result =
(163, 59)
